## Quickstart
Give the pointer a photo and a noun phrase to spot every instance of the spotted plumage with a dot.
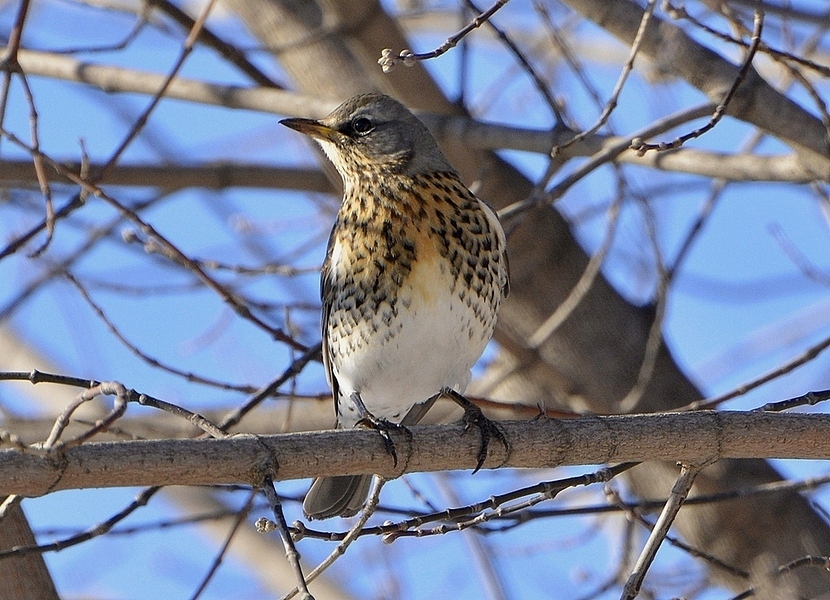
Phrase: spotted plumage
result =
(415, 271)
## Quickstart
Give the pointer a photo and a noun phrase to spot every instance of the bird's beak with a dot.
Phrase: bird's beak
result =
(311, 127)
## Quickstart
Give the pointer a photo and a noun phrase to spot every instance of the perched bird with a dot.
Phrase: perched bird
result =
(412, 281)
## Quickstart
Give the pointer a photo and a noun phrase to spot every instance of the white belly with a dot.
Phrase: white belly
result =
(432, 342)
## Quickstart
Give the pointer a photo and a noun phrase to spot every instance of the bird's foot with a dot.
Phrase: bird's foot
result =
(473, 417)
(384, 427)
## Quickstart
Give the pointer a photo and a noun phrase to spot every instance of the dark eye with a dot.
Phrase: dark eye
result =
(362, 126)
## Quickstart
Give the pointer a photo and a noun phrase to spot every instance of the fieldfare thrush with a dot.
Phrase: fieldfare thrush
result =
(415, 270)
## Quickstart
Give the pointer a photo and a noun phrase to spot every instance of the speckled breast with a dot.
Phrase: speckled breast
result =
(414, 281)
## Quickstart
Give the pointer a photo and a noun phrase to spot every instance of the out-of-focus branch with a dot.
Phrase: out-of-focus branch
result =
(215, 176)
(477, 135)
(23, 577)
(730, 167)
(755, 101)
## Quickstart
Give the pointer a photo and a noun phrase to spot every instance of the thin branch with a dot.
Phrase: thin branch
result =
(496, 507)
(606, 154)
(801, 262)
(802, 359)
(581, 287)
(106, 388)
(291, 554)
(241, 515)
(628, 66)
(295, 368)
(354, 532)
(679, 492)
(641, 147)
(153, 362)
(680, 12)
(187, 49)
(634, 512)
(388, 62)
(100, 529)
(808, 399)
(230, 52)
(171, 251)
(129, 38)
(541, 85)
(654, 341)
(822, 562)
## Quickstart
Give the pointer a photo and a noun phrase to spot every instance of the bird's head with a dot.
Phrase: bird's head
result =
(374, 133)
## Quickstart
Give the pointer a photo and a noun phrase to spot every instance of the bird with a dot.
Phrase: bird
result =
(413, 278)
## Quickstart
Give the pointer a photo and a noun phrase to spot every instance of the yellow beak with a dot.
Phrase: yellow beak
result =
(311, 128)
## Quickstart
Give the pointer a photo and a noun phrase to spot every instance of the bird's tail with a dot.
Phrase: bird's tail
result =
(344, 495)
(340, 496)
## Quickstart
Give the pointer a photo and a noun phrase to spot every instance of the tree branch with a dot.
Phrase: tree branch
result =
(692, 437)
(462, 130)
(755, 102)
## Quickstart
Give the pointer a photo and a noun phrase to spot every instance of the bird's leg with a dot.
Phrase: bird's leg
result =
(382, 426)
(474, 417)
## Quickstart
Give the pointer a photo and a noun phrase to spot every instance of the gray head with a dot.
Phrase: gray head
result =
(371, 133)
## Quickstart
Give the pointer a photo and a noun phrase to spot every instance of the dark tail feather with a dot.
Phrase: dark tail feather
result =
(344, 495)
(341, 496)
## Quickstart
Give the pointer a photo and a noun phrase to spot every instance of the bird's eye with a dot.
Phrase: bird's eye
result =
(362, 126)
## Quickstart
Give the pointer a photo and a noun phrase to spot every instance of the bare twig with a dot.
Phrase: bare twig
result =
(654, 341)
(172, 251)
(354, 532)
(641, 147)
(803, 358)
(822, 562)
(106, 388)
(634, 513)
(808, 399)
(540, 84)
(803, 264)
(607, 154)
(99, 529)
(291, 553)
(153, 362)
(230, 52)
(621, 81)
(268, 390)
(388, 61)
(680, 12)
(678, 496)
(496, 507)
(583, 286)
(241, 515)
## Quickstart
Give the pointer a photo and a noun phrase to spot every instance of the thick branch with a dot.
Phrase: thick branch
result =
(693, 437)
(461, 130)
(755, 101)
(213, 176)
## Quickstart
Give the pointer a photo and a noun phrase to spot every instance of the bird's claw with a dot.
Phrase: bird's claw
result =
(473, 417)
(488, 430)
(382, 426)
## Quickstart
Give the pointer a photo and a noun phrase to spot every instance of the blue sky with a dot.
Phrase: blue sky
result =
(739, 307)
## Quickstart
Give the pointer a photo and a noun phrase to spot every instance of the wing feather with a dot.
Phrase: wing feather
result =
(327, 300)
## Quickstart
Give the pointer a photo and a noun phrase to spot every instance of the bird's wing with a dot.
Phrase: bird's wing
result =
(504, 267)
(326, 297)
